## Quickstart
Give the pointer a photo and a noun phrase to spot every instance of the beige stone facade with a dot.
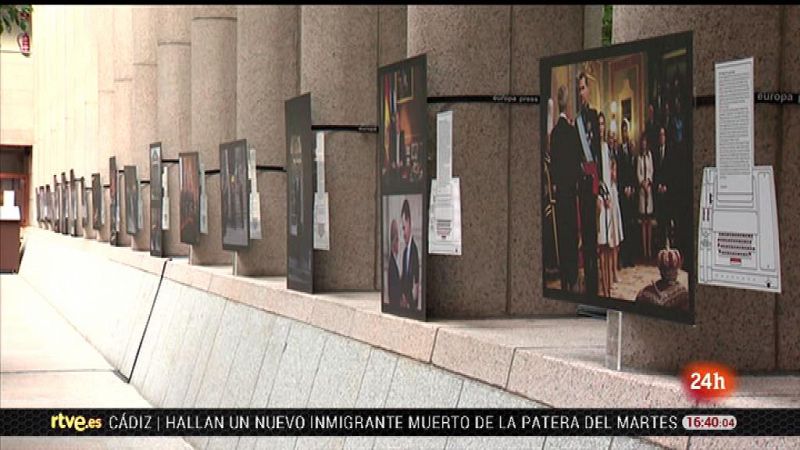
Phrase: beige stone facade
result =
(106, 81)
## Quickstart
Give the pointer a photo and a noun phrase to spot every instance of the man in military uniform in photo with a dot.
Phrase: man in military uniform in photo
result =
(588, 184)
(626, 160)
(566, 170)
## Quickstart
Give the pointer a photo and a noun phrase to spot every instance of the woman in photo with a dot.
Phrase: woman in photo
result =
(604, 210)
(615, 235)
(395, 288)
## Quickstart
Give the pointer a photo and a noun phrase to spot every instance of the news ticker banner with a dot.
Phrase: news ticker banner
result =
(400, 422)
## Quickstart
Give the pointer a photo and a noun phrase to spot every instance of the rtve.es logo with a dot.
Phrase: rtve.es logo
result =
(77, 423)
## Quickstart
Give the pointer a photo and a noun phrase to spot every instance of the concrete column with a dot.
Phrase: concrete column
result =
(103, 31)
(90, 113)
(392, 33)
(61, 106)
(174, 108)
(87, 109)
(469, 53)
(41, 124)
(123, 102)
(788, 307)
(68, 124)
(213, 45)
(145, 108)
(70, 116)
(267, 76)
(529, 44)
(592, 26)
(338, 54)
(735, 327)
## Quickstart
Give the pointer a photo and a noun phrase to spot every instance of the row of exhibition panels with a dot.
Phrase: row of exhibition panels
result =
(416, 209)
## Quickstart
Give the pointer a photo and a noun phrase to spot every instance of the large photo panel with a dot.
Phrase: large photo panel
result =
(113, 191)
(55, 204)
(617, 177)
(234, 193)
(38, 204)
(402, 164)
(190, 197)
(84, 194)
(300, 148)
(64, 204)
(50, 212)
(73, 203)
(156, 199)
(131, 200)
(97, 201)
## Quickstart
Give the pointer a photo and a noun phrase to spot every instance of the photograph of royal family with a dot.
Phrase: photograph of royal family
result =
(617, 180)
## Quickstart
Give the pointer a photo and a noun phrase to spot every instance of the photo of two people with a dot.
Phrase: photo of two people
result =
(402, 284)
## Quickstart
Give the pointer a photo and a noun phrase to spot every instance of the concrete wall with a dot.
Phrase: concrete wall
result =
(338, 55)
(214, 340)
(202, 350)
(174, 56)
(364, 38)
(213, 44)
(751, 331)
(144, 119)
(17, 98)
(483, 50)
(215, 81)
(788, 303)
(16, 91)
(103, 20)
(267, 71)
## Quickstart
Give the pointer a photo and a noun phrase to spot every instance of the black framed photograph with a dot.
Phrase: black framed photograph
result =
(73, 203)
(189, 166)
(97, 201)
(300, 180)
(56, 203)
(402, 164)
(38, 204)
(113, 210)
(131, 200)
(617, 177)
(84, 194)
(56, 199)
(235, 195)
(156, 200)
(63, 195)
(50, 206)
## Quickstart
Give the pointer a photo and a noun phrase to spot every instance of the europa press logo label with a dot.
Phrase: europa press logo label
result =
(708, 381)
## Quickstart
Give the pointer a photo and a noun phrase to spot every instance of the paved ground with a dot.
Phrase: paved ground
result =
(45, 363)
